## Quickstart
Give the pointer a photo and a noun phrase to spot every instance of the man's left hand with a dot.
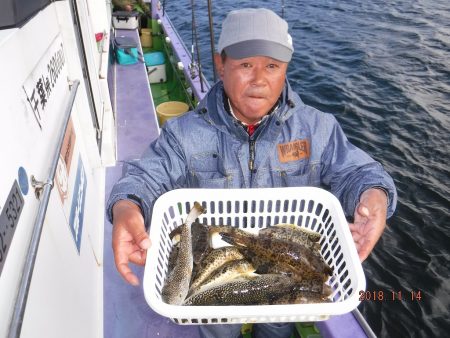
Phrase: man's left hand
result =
(369, 221)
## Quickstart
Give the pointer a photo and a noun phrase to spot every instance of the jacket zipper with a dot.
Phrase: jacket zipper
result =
(251, 161)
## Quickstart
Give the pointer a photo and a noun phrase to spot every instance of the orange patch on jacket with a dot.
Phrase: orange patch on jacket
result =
(293, 151)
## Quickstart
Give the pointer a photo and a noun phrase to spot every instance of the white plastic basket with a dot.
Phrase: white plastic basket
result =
(251, 210)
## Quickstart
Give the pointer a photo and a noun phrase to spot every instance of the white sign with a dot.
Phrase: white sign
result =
(41, 85)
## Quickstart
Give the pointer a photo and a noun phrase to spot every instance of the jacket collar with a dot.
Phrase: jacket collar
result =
(213, 108)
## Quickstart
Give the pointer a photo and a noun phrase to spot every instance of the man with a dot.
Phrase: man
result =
(130, 5)
(251, 130)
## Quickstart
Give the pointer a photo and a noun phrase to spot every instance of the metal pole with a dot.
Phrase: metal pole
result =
(211, 37)
(27, 273)
(365, 326)
(199, 63)
(84, 65)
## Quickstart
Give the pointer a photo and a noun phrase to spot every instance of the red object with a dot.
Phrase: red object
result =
(251, 129)
(98, 37)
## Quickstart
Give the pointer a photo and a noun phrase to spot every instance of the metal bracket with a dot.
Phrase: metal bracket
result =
(70, 83)
(38, 186)
(193, 69)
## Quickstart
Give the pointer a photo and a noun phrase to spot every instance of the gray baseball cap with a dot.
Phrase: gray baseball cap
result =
(255, 32)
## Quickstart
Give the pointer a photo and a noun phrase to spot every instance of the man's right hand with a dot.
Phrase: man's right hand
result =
(130, 241)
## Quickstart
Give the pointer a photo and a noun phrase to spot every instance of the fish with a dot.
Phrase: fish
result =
(252, 290)
(315, 285)
(200, 240)
(305, 292)
(264, 266)
(214, 260)
(226, 272)
(200, 245)
(289, 254)
(173, 256)
(176, 285)
(295, 233)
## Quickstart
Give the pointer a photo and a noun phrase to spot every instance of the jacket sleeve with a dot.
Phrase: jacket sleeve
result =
(349, 171)
(160, 169)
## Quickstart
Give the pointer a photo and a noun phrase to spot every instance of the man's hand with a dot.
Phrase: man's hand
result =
(369, 221)
(129, 239)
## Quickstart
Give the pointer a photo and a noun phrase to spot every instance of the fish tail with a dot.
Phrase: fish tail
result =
(196, 211)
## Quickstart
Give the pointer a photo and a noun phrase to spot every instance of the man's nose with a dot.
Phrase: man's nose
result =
(258, 77)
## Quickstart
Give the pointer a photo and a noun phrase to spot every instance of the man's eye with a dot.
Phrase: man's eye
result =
(272, 66)
(245, 65)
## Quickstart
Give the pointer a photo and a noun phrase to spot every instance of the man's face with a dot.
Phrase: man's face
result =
(253, 84)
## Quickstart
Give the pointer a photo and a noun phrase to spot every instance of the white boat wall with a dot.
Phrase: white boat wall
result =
(52, 66)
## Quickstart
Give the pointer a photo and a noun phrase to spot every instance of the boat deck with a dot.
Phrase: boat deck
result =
(126, 312)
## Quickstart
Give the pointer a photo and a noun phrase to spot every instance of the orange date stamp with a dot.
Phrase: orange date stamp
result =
(381, 295)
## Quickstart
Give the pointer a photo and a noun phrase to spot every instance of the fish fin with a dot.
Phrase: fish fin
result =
(190, 293)
(327, 290)
(176, 239)
(174, 232)
(252, 274)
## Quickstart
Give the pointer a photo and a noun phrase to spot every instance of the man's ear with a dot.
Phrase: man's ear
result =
(219, 65)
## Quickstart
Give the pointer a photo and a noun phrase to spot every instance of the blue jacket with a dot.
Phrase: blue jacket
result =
(297, 145)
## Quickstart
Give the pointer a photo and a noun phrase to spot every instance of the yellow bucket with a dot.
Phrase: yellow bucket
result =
(146, 37)
(167, 110)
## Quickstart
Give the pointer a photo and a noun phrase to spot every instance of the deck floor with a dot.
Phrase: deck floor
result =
(126, 312)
